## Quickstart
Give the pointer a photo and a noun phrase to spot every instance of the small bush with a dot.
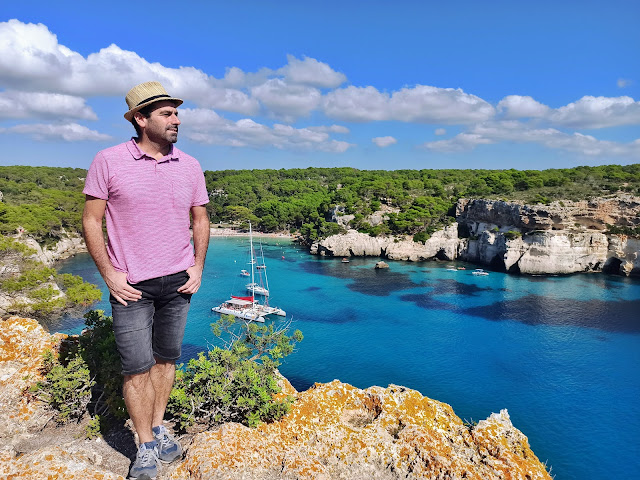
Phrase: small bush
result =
(511, 234)
(66, 388)
(237, 383)
(421, 237)
(93, 428)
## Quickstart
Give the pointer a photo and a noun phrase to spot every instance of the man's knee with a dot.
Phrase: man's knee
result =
(137, 381)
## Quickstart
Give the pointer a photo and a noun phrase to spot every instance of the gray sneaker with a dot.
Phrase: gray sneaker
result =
(169, 449)
(146, 463)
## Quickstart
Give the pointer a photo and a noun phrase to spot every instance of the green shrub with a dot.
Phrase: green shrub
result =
(236, 383)
(93, 428)
(624, 230)
(66, 387)
(28, 279)
(421, 237)
(8, 244)
(511, 234)
(78, 291)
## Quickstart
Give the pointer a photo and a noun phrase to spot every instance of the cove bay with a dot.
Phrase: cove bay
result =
(561, 353)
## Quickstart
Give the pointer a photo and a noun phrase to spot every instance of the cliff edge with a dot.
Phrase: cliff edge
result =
(333, 431)
(560, 238)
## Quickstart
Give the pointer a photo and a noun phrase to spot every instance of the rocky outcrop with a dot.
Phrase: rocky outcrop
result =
(333, 431)
(12, 263)
(22, 342)
(443, 244)
(593, 214)
(68, 245)
(560, 238)
(338, 431)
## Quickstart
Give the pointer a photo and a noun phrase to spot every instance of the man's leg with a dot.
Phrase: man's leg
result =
(162, 375)
(139, 395)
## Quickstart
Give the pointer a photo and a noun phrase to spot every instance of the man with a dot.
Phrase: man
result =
(146, 188)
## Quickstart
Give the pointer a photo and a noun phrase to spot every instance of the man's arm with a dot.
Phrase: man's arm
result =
(92, 230)
(200, 221)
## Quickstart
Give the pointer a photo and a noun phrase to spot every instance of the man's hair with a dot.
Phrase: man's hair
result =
(146, 113)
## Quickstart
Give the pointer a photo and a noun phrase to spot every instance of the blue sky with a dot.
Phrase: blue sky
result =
(365, 84)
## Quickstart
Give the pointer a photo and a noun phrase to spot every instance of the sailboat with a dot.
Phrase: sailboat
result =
(248, 308)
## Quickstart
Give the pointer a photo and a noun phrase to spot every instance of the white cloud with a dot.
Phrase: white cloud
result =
(624, 82)
(69, 132)
(517, 132)
(330, 129)
(310, 71)
(384, 141)
(462, 142)
(206, 126)
(440, 131)
(356, 104)
(15, 104)
(517, 106)
(598, 112)
(421, 104)
(287, 101)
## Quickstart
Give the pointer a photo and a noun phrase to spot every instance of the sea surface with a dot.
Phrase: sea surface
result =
(562, 354)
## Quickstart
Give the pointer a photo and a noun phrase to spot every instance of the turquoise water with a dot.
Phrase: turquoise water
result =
(562, 354)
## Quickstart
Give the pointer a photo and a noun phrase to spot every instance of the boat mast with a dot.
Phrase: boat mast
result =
(266, 279)
(253, 262)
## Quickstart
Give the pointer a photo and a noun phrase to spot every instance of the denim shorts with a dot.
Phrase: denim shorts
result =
(154, 325)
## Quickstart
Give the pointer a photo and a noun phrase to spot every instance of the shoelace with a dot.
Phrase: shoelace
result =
(147, 456)
(164, 441)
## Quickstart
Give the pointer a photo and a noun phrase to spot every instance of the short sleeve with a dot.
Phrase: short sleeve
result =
(97, 181)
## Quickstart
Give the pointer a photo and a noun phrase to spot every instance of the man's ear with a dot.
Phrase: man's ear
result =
(140, 119)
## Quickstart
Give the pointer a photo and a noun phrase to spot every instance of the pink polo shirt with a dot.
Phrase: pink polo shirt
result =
(148, 204)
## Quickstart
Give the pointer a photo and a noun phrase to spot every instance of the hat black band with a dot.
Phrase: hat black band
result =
(152, 98)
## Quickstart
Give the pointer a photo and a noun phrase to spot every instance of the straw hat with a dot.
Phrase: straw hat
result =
(145, 94)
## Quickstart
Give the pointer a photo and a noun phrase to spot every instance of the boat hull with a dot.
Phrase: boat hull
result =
(245, 314)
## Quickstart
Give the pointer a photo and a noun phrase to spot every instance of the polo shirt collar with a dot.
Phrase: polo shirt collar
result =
(138, 154)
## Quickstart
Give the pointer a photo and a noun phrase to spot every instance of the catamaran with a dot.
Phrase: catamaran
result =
(248, 308)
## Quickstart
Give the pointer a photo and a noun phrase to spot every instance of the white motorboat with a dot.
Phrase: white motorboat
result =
(479, 272)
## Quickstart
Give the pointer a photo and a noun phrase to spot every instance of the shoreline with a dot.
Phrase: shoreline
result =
(231, 232)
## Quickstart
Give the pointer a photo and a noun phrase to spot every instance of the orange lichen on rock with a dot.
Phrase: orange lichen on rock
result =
(53, 463)
(335, 430)
(22, 342)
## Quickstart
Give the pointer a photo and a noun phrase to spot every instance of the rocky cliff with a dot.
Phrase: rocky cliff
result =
(561, 238)
(12, 264)
(334, 431)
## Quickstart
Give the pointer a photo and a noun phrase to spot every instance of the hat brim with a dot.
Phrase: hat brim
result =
(129, 115)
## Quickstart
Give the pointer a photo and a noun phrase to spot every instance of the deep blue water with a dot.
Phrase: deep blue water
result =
(562, 354)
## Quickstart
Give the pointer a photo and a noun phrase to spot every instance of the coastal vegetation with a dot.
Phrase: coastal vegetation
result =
(36, 287)
(414, 202)
(47, 201)
(237, 382)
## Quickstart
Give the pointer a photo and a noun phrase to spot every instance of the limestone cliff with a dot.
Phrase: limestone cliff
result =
(561, 238)
(12, 264)
(334, 431)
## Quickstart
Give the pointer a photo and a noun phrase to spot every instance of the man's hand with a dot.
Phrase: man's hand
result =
(120, 289)
(195, 279)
